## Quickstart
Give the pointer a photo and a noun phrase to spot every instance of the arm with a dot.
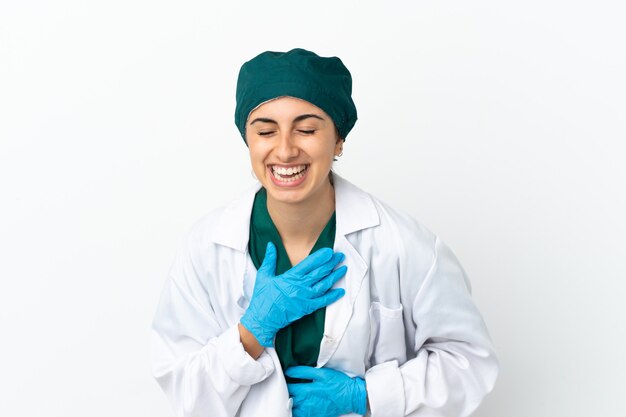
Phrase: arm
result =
(454, 365)
(249, 342)
(206, 367)
(199, 363)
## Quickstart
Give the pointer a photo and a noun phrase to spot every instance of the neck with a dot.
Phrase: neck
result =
(301, 224)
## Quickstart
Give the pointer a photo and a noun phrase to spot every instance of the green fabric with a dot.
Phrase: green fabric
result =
(324, 82)
(298, 343)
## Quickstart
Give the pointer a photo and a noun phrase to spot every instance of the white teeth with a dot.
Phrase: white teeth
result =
(279, 172)
(288, 171)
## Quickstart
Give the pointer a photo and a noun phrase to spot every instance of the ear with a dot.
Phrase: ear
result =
(339, 146)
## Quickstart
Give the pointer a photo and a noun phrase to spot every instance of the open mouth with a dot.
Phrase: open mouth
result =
(288, 175)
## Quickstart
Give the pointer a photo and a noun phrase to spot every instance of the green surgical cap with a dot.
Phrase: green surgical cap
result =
(324, 82)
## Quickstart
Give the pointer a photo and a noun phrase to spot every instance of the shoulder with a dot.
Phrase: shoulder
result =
(410, 237)
(196, 244)
(415, 249)
(226, 226)
(202, 231)
(222, 233)
(372, 216)
(399, 250)
(402, 222)
(216, 241)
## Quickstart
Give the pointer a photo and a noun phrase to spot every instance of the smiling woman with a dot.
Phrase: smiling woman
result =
(308, 296)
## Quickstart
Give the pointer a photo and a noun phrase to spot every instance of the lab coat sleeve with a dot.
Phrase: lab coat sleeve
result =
(200, 365)
(453, 365)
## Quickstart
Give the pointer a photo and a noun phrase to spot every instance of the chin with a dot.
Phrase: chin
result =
(287, 196)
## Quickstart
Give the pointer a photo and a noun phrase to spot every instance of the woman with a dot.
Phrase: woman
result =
(375, 316)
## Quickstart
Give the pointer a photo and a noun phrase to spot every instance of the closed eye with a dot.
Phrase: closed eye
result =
(306, 132)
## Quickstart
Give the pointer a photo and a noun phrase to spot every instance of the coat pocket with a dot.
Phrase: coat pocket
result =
(386, 334)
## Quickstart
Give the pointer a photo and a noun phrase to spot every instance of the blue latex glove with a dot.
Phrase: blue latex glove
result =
(279, 300)
(330, 394)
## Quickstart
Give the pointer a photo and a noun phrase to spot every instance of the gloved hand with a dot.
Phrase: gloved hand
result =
(330, 394)
(279, 300)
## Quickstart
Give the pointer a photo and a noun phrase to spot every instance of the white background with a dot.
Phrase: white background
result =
(499, 125)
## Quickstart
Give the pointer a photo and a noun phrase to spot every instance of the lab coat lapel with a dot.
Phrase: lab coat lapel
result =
(355, 211)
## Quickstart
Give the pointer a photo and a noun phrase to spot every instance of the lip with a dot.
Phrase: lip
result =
(286, 165)
(285, 184)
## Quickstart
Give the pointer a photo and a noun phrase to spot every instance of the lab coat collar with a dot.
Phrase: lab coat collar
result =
(233, 229)
(354, 209)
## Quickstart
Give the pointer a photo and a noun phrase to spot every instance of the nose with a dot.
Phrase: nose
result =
(287, 148)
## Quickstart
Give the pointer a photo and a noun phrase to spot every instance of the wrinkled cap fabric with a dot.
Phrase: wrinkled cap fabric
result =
(324, 82)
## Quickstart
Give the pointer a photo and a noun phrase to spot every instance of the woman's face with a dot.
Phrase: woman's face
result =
(292, 144)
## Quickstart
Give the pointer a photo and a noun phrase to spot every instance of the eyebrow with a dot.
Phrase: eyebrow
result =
(306, 116)
(297, 119)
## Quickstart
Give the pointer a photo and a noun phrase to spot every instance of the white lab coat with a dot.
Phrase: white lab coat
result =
(406, 324)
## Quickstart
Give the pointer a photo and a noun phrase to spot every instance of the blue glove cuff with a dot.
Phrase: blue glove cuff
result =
(360, 396)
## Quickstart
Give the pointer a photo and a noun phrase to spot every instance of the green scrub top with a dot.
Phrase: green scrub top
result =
(298, 343)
